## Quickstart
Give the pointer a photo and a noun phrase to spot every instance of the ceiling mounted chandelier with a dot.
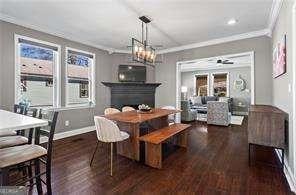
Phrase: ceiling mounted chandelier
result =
(141, 51)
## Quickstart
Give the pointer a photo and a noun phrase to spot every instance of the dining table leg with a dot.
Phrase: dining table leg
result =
(129, 148)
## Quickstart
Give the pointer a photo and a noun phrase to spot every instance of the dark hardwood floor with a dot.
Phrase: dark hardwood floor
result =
(216, 162)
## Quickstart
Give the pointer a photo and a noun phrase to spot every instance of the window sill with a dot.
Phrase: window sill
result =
(72, 107)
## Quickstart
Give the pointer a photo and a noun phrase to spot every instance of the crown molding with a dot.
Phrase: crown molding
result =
(57, 33)
(274, 14)
(252, 34)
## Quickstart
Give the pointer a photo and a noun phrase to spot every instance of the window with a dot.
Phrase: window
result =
(201, 83)
(220, 84)
(37, 64)
(79, 77)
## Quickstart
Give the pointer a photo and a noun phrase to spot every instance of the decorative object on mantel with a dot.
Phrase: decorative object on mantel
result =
(141, 51)
(279, 58)
(239, 84)
(144, 108)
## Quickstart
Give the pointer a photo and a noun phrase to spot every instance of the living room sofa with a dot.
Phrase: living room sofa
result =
(199, 103)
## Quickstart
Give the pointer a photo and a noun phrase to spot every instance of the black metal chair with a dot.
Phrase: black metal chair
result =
(20, 109)
(30, 155)
(47, 159)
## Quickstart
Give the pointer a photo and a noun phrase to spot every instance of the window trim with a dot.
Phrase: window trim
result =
(56, 73)
(92, 91)
(227, 82)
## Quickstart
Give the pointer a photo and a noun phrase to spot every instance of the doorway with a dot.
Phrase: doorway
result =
(218, 81)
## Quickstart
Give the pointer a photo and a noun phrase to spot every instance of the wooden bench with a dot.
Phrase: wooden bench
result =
(153, 142)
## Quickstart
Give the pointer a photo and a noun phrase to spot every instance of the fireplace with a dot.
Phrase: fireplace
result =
(132, 94)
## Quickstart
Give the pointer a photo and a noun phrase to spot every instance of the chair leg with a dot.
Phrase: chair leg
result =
(94, 154)
(38, 178)
(30, 173)
(48, 178)
(111, 171)
(4, 177)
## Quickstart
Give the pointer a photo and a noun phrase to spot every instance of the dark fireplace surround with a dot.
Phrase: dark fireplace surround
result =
(132, 94)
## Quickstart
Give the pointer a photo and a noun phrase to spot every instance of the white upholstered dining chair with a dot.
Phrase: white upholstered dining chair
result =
(111, 111)
(171, 117)
(108, 132)
(127, 108)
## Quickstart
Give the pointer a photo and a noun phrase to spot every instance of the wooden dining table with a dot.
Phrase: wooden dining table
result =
(131, 121)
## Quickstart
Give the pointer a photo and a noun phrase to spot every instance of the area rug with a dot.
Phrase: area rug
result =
(236, 120)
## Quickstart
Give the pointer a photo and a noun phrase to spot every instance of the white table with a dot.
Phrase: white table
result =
(13, 121)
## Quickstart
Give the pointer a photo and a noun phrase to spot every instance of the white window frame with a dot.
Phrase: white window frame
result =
(91, 87)
(56, 70)
(212, 82)
(208, 82)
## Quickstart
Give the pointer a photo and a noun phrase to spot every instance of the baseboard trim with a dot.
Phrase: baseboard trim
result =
(70, 133)
(287, 171)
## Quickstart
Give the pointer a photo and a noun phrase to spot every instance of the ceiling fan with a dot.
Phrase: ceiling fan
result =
(219, 61)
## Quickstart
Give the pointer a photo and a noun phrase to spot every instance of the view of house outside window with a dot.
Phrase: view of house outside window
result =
(79, 77)
(36, 75)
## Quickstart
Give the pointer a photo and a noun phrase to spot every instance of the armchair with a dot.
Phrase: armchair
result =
(218, 113)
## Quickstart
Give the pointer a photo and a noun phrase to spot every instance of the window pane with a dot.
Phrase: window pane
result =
(36, 68)
(220, 85)
(78, 73)
(202, 85)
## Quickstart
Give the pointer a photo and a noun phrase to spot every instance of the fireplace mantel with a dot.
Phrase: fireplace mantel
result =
(123, 94)
(111, 85)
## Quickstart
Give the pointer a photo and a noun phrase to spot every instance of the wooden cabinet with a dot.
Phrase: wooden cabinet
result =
(266, 126)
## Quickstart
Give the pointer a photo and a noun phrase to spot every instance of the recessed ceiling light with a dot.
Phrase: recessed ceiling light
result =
(232, 21)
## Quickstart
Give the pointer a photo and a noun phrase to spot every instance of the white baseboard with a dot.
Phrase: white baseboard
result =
(69, 133)
(287, 171)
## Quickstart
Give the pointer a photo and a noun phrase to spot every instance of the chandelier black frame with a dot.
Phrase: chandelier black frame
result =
(141, 51)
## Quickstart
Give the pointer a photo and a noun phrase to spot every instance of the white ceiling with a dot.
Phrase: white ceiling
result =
(110, 24)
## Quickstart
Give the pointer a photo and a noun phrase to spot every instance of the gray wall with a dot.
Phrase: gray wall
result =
(166, 72)
(188, 79)
(282, 98)
(78, 117)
